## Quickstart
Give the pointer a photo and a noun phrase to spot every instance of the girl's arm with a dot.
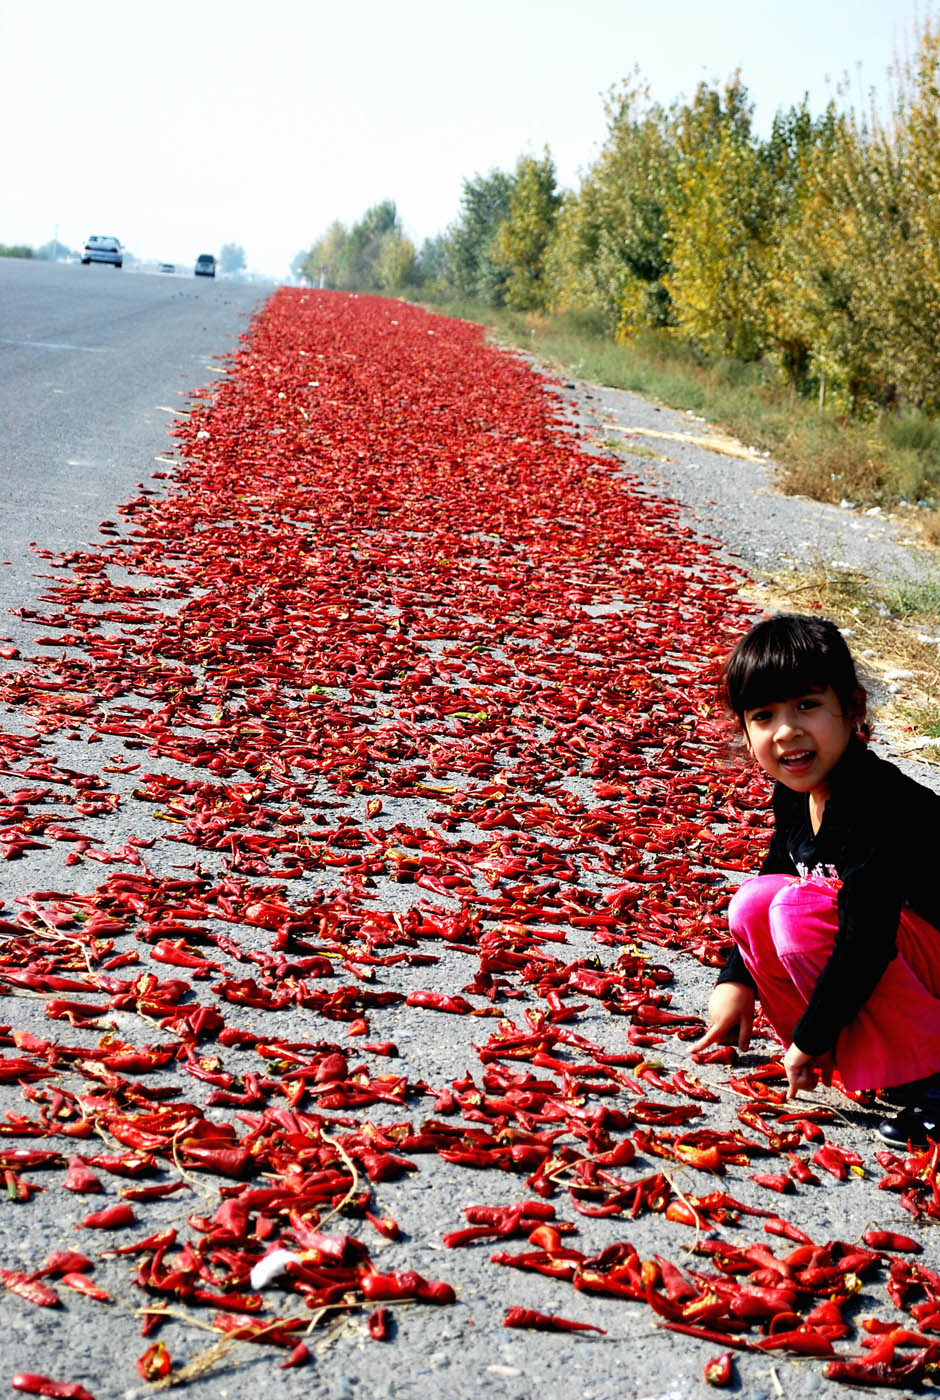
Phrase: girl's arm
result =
(778, 860)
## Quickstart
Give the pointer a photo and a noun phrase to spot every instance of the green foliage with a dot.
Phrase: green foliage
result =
(431, 265)
(16, 250)
(231, 258)
(812, 255)
(474, 271)
(321, 265)
(361, 252)
(611, 244)
(523, 236)
(54, 250)
(373, 256)
(721, 216)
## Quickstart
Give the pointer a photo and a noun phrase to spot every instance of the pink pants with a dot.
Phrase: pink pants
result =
(785, 928)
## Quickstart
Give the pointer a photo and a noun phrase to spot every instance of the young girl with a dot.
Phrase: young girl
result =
(838, 934)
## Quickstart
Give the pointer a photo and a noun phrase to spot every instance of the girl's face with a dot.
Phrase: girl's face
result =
(799, 741)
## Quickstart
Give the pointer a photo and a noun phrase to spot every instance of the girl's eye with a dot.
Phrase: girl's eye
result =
(810, 703)
(759, 717)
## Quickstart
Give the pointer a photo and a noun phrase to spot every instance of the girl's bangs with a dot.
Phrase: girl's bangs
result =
(776, 677)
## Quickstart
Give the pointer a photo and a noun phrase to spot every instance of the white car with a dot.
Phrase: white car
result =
(100, 249)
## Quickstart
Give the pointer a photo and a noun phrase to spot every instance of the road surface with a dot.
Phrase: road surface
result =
(94, 363)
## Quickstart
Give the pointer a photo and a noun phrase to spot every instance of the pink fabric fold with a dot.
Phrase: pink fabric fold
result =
(785, 928)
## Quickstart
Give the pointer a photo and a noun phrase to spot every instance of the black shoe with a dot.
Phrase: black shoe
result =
(914, 1126)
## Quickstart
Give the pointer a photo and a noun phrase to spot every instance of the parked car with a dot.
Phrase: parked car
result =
(104, 250)
(205, 265)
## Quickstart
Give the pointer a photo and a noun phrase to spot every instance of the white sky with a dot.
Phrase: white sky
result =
(185, 124)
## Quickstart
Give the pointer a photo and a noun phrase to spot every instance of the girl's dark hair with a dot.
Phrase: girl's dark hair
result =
(789, 655)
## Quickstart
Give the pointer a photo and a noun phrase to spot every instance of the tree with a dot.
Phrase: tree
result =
(231, 258)
(610, 247)
(321, 266)
(475, 272)
(54, 251)
(396, 263)
(431, 264)
(359, 257)
(523, 236)
(721, 217)
(373, 256)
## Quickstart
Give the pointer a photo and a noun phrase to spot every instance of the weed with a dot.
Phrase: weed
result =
(619, 448)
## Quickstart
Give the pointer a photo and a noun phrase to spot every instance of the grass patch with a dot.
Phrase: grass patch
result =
(619, 448)
(827, 456)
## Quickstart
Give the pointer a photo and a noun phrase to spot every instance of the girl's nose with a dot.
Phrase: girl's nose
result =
(787, 726)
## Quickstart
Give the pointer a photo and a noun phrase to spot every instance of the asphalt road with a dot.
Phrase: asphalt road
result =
(94, 363)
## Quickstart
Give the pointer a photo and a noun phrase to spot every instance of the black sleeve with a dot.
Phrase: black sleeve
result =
(776, 862)
(735, 970)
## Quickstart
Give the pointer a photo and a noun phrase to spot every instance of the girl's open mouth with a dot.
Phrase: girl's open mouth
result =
(797, 762)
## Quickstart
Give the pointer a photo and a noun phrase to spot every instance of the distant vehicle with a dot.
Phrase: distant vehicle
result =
(167, 267)
(104, 250)
(205, 265)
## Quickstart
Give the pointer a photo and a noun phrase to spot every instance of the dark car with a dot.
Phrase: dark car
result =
(100, 248)
(205, 265)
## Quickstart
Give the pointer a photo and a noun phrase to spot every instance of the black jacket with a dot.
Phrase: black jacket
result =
(880, 835)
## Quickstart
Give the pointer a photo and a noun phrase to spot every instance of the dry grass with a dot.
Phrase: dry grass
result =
(619, 448)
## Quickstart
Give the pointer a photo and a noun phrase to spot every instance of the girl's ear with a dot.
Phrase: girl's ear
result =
(858, 710)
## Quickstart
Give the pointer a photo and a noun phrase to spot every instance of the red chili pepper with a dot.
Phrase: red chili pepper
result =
(717, 1055)
(863, 1372)
(707, 1159)
(111, 1218)
(718, 1372)
(379, 1324)
(386, 1226)
(81, 1178)
(773, 1181)
(384, 1288)
(29, 1287)
(82, 1284)
(887, 1239)
(34, 1384)
(438, 1001)
(155, 1362)
(802, 1341)
(154, 1193)
(65, 1261)
(546, 1322)
(299, 1356)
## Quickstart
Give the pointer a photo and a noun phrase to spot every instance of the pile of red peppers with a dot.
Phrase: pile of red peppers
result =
(405, 700)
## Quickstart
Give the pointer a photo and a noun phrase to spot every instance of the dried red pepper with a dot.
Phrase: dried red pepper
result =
(33, 1384)
(546, 1322)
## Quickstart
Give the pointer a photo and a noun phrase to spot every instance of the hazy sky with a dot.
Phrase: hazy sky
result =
(182, 126)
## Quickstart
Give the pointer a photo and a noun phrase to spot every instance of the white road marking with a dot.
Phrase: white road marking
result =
(56, 345)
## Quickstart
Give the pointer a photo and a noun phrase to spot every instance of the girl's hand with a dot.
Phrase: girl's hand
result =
(731, 1017)
(803, 1070)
